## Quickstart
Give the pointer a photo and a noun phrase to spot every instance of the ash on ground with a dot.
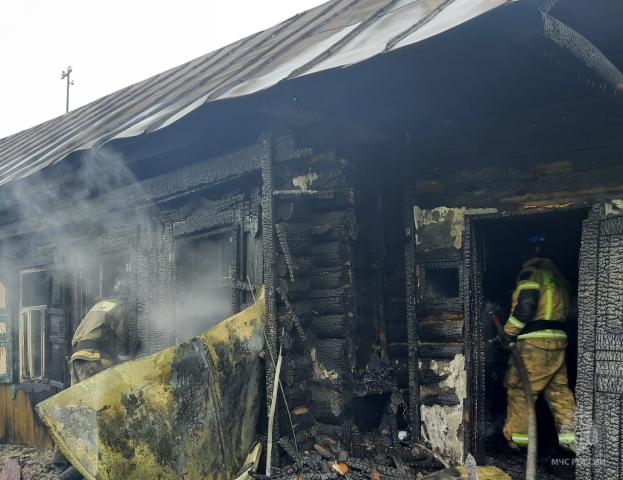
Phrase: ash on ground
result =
(36, 463)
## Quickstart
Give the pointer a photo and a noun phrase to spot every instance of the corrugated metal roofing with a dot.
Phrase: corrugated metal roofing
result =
(335, 34)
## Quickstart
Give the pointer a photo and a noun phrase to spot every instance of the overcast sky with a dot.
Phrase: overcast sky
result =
(110, 44)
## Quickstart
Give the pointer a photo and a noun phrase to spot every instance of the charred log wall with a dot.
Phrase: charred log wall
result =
(381, 379)
(436, 328)
(315, 229)
(340, 297)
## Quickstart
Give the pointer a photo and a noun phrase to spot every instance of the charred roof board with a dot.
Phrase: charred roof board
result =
(335, 34)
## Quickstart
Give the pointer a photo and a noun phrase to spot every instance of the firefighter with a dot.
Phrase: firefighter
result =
(100, 341)
(537, 323)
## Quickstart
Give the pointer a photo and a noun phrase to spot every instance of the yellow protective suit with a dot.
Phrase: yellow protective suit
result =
(102, 335)
(541, 296)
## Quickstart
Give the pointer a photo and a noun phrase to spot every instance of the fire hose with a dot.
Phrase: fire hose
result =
(525, 383)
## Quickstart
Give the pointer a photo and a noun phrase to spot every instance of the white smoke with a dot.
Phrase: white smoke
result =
(102, 194)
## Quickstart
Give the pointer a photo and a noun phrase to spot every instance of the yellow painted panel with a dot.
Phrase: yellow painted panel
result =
(188, 412)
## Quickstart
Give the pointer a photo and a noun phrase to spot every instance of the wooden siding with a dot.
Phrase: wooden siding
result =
(18, 421)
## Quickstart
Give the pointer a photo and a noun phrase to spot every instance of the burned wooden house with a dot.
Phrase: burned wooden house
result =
(378, 166)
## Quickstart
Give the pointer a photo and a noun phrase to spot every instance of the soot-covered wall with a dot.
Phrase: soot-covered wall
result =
(340, 297)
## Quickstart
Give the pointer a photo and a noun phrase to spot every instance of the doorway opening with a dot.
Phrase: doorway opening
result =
(502, 245)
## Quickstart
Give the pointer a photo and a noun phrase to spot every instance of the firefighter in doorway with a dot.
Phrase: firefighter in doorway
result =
(101, 339)
(537, 323)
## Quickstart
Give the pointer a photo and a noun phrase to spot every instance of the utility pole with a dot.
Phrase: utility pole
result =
(65, 75)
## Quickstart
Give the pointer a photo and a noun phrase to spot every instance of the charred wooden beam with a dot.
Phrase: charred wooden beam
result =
(268, 246)
(433, 395)
(441, 332)
(332, 352)
(474, 425)
(320, 200)
(430, 377)
(331, 254)
(330, 326)
(302, 309)
(413, 349)
(440, 350)
(332, 302)
(283, 242)
(332, 277)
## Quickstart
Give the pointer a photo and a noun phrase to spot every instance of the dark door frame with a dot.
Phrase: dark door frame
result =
(475, 338)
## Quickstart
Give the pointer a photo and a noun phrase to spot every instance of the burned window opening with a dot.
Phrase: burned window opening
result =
(250, 270)
(204, 280)
(35, 288)
(96, 275)
(441, 283)
(112, 266)
(503, 245)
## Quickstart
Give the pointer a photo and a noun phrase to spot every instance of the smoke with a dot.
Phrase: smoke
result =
(204, 297)
(54, 213)
(69, 215)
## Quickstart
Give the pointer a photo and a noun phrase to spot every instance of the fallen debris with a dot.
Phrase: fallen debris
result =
(325, 464)
(251, 463)
(34, 462)
(11, 471)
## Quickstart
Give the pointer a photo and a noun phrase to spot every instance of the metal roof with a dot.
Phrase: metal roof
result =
(335, 34)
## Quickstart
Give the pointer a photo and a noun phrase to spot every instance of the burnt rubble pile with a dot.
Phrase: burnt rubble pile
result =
(322, 464)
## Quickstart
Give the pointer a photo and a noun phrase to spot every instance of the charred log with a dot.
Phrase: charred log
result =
(441, 332)
(330, 326)
(440, 350)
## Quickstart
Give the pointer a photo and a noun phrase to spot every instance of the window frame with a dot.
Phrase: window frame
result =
(180, 241)
(6, 338)
(422, 271)
(25, 375)
(238, 286)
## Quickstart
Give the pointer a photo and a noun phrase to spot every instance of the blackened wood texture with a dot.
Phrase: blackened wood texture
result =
(599, 389)
(315, 227)
(268, 247)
